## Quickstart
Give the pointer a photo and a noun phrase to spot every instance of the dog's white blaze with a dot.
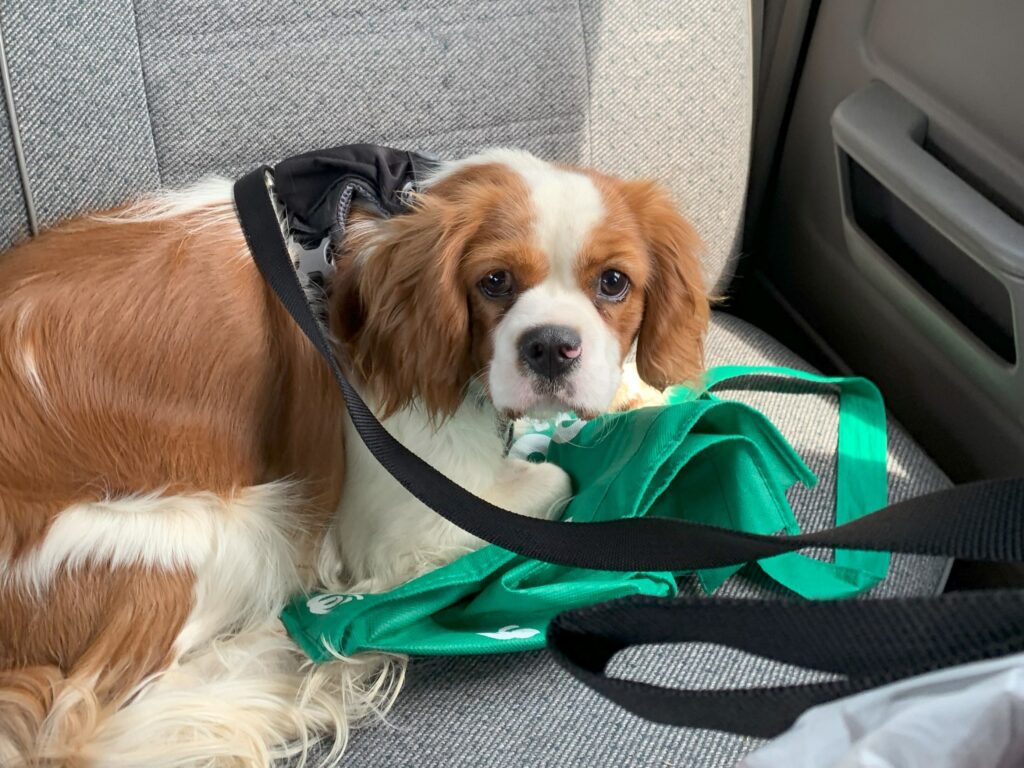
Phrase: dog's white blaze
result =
(566, 205)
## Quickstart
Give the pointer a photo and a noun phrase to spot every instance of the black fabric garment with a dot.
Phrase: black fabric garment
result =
(315, 187)
(979, 521)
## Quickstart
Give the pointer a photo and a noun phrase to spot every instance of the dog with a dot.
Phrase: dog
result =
(176, 461)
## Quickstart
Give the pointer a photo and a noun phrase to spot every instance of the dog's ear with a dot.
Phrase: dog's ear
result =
(362, 230)
(400, 307)
(670, 345)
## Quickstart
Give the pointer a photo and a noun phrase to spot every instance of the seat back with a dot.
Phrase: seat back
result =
(117, 97)
(13, 216)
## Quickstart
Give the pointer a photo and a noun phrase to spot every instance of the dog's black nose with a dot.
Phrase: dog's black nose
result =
(550, 350)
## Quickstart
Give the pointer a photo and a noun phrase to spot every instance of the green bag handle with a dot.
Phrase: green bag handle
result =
(861, 483)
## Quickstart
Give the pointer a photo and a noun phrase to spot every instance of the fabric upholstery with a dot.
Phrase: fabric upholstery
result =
(520, 710)
(79, 97)
(13, 219)
(116, 97)
(671, 94)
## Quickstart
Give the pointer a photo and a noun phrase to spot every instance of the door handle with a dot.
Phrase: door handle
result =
(885, 134)
(949, 259)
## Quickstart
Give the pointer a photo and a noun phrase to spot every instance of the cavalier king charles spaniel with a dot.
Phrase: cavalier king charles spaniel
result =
(176, 461)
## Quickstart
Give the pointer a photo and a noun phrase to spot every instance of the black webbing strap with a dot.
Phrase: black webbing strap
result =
(866, 642)
(979, 521)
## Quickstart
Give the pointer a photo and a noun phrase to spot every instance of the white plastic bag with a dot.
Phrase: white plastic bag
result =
(970, 716)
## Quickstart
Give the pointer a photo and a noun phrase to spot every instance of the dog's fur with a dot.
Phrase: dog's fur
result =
(175, 460)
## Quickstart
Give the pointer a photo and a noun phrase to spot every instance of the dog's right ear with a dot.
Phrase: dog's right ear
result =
(670, 346)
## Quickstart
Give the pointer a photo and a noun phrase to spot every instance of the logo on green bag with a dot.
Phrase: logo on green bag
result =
(323, 604)
(567, 430)
(511, 632)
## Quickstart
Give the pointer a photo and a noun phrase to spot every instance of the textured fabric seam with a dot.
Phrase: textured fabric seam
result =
(731, 263)
(482, 127)
(244, 30)
(19, 154)
(590, 96)
(145, 93)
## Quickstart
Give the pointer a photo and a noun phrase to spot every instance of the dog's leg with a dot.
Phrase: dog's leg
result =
(410, 539)
(250, 696)
(83, 602)
(534, 490)
(634, 392)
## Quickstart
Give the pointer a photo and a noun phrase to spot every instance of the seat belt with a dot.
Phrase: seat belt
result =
(977, 521)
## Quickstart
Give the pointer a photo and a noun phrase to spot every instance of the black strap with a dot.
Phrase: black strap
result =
(867, 642)
(978, 521)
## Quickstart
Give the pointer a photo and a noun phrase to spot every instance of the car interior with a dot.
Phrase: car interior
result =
(855, 169)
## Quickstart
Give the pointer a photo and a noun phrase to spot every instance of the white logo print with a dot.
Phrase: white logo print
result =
(567, 430)
(322, 604)
(511, 632)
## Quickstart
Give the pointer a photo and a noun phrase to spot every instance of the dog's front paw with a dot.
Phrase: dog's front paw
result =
(634, 392)
(534, 490)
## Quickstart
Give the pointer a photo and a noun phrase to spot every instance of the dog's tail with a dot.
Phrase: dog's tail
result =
(26, 697)
(247, 699)
(49, 719)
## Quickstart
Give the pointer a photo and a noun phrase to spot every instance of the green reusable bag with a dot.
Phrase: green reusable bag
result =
(711, 461)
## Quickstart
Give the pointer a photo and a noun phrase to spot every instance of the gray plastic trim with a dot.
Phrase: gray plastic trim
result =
(783, 28)
(19, 154)
(884, 133)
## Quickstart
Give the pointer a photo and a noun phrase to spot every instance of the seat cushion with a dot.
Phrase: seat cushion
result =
(520, 710)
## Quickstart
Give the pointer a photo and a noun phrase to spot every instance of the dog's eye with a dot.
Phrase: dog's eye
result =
(498, 284)
(613, 285)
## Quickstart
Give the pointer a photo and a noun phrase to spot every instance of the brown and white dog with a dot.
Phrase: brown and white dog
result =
(175, 460)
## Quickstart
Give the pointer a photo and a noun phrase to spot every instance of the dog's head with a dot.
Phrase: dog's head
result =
(531, 278)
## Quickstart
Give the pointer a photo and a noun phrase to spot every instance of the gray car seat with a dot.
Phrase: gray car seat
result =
(108, 99)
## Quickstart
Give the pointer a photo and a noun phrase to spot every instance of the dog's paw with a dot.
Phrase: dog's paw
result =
(534, 490)
(634, 392)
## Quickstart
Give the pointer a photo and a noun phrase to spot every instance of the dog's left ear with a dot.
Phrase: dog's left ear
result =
(400, 309)
(670, 346)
